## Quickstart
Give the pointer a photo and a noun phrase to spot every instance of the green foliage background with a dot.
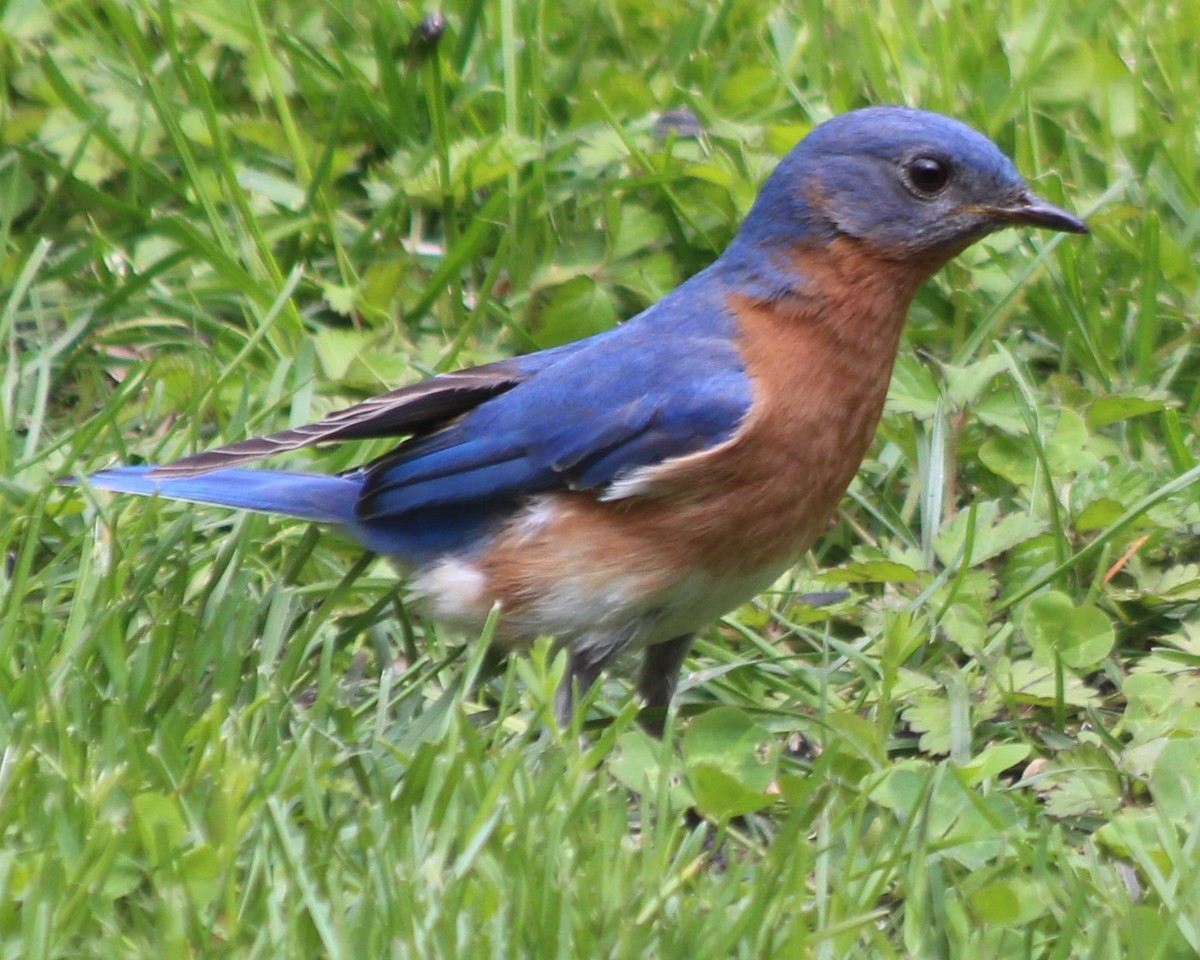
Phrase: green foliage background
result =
(225, 736)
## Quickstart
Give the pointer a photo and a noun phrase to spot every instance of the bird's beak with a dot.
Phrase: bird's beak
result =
(1033, 211)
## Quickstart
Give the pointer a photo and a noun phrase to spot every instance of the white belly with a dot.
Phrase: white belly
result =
(585, 609)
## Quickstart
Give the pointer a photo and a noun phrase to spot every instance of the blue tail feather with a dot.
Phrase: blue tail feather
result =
(416, 538)
(306, 496)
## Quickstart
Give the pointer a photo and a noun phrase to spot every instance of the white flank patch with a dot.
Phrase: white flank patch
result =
(452, 590)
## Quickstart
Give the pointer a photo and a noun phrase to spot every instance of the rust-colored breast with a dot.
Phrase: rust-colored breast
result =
(820, 364)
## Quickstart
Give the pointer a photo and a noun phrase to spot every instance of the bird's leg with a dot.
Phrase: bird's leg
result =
(582, 673)
(656, 683)
(587, 655)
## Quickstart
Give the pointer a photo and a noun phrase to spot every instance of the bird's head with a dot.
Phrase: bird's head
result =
(907, 184)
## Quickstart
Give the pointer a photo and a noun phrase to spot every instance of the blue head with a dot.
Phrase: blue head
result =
(908, 184)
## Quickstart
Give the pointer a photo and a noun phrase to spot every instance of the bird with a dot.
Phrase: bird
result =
(622, 492)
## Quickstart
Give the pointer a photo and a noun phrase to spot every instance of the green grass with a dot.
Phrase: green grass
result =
(222, 735)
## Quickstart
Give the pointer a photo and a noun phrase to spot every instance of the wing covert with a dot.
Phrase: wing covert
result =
(581, 424)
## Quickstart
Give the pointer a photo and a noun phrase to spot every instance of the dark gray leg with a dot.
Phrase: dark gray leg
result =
(656, 683)
(587, 655)
(582, 674)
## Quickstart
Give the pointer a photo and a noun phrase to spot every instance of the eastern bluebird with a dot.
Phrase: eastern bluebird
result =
(623, 491)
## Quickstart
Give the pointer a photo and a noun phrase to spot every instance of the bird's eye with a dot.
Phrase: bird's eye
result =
(928, 175)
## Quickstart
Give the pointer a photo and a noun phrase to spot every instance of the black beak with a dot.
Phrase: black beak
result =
(1033, 211)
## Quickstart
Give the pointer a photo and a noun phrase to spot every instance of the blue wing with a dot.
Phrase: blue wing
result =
(668, 383)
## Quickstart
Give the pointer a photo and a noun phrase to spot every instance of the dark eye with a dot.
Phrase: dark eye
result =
(928, 175)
